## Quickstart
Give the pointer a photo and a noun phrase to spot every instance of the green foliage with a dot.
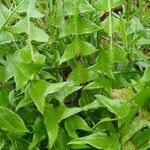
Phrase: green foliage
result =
(74, 74)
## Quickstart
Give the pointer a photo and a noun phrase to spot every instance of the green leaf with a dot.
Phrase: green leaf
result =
(97, 140)
(7, 15)
(119, 53)
(146, 76)
(58, 78)
(2, 142)
(128, 145)
(102, 5)
(39, 35)
(5, 37)
(18, 143)
(75, 122)
(51, 124)
(40, 89)
(62, 140)
(26, 56)
(26, 100)
(105, 124)
(94, 105)
(136, 26)
(5, 73)
(9, 121)
(4, 13)
(119, 81)
(4, 100)
(141, 138)
(38, 94)
(137, 124)
(119, 107)
(77, 47)
(70, 52)
(22, 72)
(39, 58)
(77, 25)
(34, 33)
(114, 142)
(86, 98)
(77, 6)
(25, 25)
(39, 131)
(57, 16)
(114, 22)
(136, 102)
(144, 42)
(69, 88)
(79, 74)
(101, 82)
(103, 62)
(30, 8)
(64, 112)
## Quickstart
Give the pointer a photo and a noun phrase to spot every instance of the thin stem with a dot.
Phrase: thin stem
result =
(128, 9)
(123, 32)
(77, 36)
(141, 13)
(110, 33)
(29, 33)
